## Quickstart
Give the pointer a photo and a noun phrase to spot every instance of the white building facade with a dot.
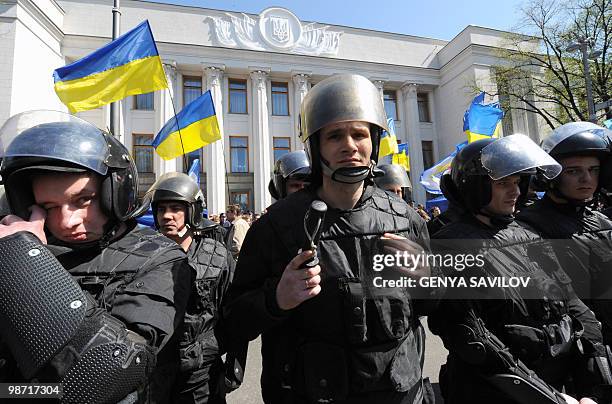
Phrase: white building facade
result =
(258, 68)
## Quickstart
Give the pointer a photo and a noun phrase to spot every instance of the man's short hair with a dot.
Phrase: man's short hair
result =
(235, 209)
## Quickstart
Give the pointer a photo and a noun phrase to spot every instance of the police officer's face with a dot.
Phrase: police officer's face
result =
(72, 202)
(293, 185)
(346, 144)
(504, 194)
(579, 177)
(171, 218)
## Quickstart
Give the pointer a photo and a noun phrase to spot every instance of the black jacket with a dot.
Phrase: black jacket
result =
(201, 364)
(347, 344)
(541, 324)
(582, 239)
(144, 280)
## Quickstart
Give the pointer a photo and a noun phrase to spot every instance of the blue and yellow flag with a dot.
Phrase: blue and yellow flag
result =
(388, 140)
(482, 121)
(430, 178)
(194, 171)
(128, 65)
(402, 157)
(194, 127)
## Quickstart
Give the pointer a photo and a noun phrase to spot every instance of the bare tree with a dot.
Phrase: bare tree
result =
(539, 75)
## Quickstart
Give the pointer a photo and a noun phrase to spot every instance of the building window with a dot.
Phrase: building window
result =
(390, 99)
(282, 146)
(239, 154)
(237, 96)
(192, 89)
(196, 154)
(144, 102)
(280, 99)
(242, 198)
(423, 102)
(428, 157)
(143, 152)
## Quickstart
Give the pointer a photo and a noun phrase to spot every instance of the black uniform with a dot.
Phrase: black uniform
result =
(540, 324)
(142, 279)
(583, 243)
(201, 364)
(351, 343)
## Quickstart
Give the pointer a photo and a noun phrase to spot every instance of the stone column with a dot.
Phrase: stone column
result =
(301, 84)
(215, 160)
(261, 140)
(411, 107)
(164, 112)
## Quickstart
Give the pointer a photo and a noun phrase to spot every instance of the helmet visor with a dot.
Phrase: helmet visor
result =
(514, 154)
(57, 136)
(572, 128)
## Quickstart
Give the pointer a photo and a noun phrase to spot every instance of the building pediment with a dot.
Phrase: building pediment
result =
(274, 29)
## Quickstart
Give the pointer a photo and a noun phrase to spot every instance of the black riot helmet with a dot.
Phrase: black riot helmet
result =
(59, 142)
(480, 162)
(577, 139)
(294, 165)
(341, 98)
(394, 175)
(182, 188)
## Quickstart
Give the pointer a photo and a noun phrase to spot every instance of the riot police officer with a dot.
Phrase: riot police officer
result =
(291, 173)
(583, 236)
(89, 298)
(395, 179)
(541, 324)
(328, 335)
(177, 203)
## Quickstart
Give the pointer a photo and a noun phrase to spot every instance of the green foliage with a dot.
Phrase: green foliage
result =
(539, 74)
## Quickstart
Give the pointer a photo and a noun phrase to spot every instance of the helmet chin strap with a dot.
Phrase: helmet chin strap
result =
(349, 175)
(497, 220)
(578, 203)
(184, 231)
(110, 229)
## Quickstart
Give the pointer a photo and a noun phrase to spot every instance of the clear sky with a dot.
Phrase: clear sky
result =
(441, 19)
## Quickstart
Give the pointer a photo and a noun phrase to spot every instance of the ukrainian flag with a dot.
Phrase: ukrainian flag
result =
(194, 127)
(402, 157)
(388, 140)
(430, 178)
(482, 121)
(128, 65)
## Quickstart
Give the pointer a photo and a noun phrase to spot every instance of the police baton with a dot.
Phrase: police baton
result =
(313, 227)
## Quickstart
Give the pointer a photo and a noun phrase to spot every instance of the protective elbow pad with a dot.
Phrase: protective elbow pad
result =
(47, 320)
(41, 306)
(110, 361)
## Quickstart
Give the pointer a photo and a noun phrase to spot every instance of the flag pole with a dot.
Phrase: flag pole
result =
(185, 160)
(114, 108)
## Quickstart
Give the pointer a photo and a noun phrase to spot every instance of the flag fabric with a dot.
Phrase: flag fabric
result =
(388, 140)
(402, 157)
(430, 178)
(194, 127)
(194, 171)
(482, 121)
(128, 65)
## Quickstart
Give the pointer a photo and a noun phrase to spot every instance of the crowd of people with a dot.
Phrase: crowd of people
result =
(117, 312)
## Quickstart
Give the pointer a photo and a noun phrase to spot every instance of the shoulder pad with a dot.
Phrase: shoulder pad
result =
(386, 201)
(139, 246)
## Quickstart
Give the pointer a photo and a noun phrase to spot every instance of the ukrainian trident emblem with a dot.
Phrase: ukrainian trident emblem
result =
(280, 28)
